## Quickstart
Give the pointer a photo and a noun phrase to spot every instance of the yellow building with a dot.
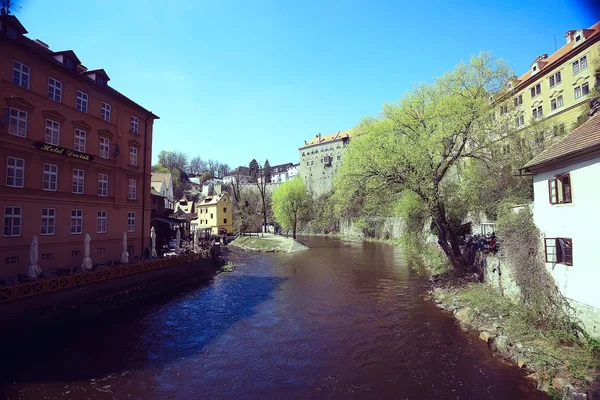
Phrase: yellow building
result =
(557, 87)
(216, 213)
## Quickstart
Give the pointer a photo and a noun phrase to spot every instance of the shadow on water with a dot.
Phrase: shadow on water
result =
(142, 336)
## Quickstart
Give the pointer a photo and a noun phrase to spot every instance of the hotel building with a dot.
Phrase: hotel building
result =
(75, 158)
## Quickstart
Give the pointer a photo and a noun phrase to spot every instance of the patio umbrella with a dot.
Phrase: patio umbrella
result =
(87, 261)
(178, 239)
(34, 270)
(125, 254)
(196, 240)
(153, 240)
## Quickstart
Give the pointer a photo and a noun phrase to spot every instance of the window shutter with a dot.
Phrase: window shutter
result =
(552, 191)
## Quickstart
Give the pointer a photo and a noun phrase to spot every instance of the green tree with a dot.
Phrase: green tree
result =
(417, 143)
(291, 201)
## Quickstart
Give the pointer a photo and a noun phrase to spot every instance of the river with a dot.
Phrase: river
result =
(341, 320)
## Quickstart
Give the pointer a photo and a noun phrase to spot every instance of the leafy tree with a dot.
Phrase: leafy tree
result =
(261, 176)
(291, 201)
(417, 143)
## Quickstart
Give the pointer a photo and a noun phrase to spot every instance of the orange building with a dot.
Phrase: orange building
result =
(75, 158)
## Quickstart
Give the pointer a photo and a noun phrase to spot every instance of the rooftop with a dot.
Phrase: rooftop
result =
(332, 137)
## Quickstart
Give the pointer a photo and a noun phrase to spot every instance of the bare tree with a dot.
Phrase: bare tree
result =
(261, 176)
(197, 166)
(223, 170)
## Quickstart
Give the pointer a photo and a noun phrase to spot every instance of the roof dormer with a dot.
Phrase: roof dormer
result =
(538, 64)
(68, 58)
(10, 26)
(99, 76)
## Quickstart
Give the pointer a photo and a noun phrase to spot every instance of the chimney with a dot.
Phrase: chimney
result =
(319, 137)
(541, 58)
(569, 36)
(44, 45)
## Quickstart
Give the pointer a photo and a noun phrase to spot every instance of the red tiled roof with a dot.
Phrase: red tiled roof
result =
(583, 141)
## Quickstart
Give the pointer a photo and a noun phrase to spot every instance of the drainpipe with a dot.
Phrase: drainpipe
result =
(144, 188)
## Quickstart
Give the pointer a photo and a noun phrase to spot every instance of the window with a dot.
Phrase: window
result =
(102, 185)
(69, 63)
(133, 155)
(47, 256)
(224, 220)
(15, 171)
(132, 189)
(135, 123)
(582, 90)
(503, 110)
(76, 222)
(519, 122)
(101, 221)
(559, 189)
(20, 74)
(556, 103)
(50, 177)
(211, 216)
(11, 260)
(78, 181)
(101, 250)
(131, 222)
(518, 101)
(81, 103)
(54, 89)
(52, 132)
(559, 130)
(12, 221)
(104, 147)
(559, 250)
(538, 112)
(224, 209)
(100, 80)
(75, 253)
(555, 79)
(536, 90)
(105, 111)
(48, 221)
(79, 144)
(18, 122)
(580, 64)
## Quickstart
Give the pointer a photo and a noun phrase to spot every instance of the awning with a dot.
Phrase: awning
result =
(167, 221)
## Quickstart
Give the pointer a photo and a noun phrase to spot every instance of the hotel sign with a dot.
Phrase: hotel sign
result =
(63, 151)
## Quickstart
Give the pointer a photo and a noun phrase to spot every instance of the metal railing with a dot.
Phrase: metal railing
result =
(45, 285)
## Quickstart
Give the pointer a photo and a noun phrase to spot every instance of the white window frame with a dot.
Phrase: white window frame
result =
(76, 221)
(50, 177)
(17, 122)
(105, 111)
(13, 221)
(79, 138)
(102, 185)
(81, 101)
(78, 181)
(48, 226)
(101, 221)
(133, 155)
(104, 147)
(131, 221)
(52, 132)
(20, 74)
(54, 89)
(135, 124)
(132, 190)
(17, 178)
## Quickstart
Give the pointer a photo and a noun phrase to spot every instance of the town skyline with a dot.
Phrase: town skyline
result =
(281, 103)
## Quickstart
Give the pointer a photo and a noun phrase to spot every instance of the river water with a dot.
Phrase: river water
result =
(341, 320)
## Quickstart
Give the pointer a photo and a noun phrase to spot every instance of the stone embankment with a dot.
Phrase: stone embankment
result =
(268, 243)
(496, 327)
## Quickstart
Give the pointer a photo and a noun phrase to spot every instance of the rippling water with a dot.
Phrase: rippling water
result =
(341, 320)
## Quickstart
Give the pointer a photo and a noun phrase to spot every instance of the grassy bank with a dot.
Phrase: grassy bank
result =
(268, 243)
(558, 361)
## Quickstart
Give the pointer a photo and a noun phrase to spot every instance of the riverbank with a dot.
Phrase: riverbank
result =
(562, 365)
(268, 243)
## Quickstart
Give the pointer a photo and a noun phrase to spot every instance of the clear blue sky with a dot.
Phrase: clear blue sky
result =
(236, 80)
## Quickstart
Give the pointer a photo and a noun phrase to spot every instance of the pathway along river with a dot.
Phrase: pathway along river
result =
(341, 320)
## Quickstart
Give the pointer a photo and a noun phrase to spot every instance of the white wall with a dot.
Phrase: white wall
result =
(580, 221)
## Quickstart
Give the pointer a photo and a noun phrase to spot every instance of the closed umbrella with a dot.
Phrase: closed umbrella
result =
(125, 254)
(178, 239)
(196, 240)
(153, 240)
(87, 261)
(34, 270)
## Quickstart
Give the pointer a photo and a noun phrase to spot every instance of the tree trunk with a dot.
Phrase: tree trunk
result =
(447, 239)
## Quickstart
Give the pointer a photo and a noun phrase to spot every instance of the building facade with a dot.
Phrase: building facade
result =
(319, 158)
(556, 88)
(215, 213)
(240, 174)
(293, 171)
(75, 158)
(565, 182)
(162, 182)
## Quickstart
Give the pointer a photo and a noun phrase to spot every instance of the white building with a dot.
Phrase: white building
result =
(279, 173)
(240, 173)
(566, 183)
(293, 171)
(163, 184)
(212, 187)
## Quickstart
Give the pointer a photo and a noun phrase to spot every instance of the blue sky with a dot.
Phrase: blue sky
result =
(236, 80)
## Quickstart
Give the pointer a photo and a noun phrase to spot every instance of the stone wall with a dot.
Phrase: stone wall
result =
(378, 227)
